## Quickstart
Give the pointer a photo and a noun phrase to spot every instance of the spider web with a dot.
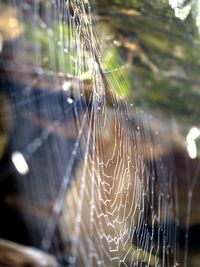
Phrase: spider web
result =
(101, 188)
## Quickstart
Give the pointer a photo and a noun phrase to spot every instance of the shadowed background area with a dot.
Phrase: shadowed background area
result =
(99, 131)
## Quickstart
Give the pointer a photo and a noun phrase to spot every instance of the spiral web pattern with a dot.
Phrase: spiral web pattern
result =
(99, 172)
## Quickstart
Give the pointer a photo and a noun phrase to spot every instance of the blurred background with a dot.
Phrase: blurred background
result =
(150, 52)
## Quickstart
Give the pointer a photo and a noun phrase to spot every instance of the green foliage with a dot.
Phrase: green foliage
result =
(57, 47)
(167, 42)
(170, 44)
(117, 74)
